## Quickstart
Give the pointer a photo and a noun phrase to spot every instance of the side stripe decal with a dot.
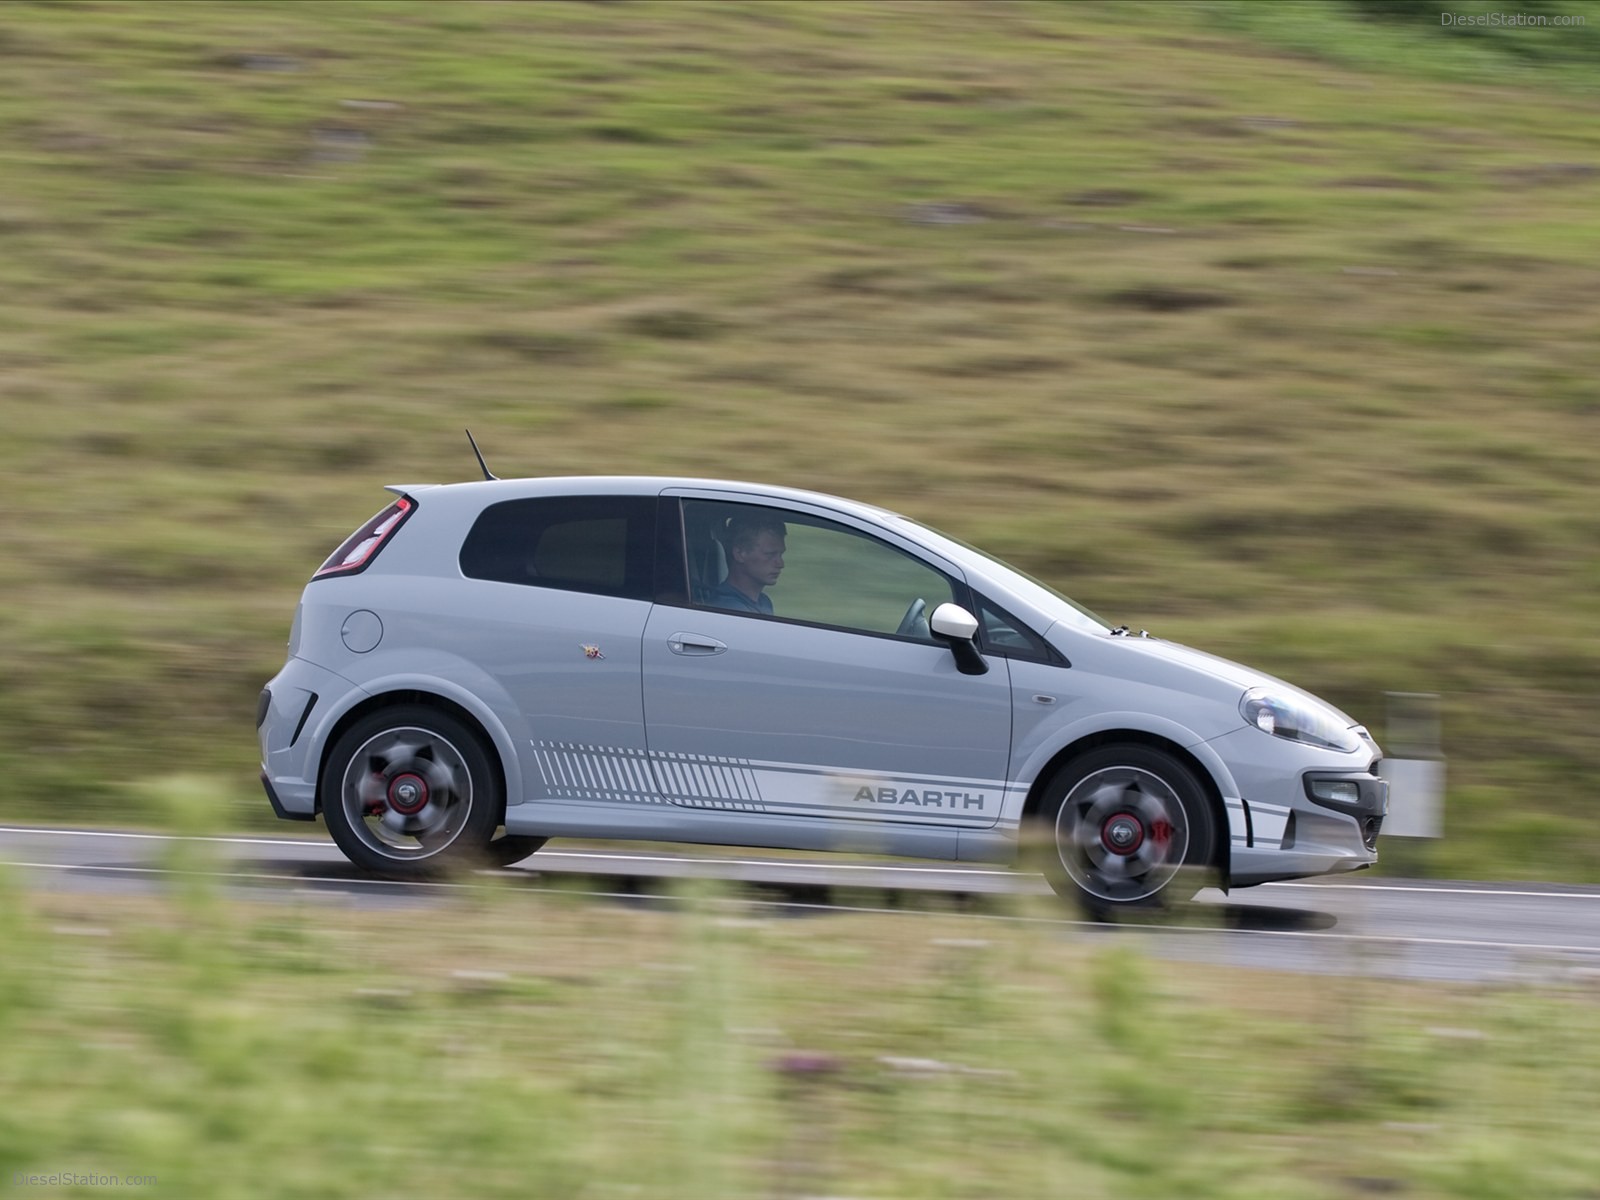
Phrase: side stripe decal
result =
(617, 774)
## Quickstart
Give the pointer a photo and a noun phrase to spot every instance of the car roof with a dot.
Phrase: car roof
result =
(489, 491)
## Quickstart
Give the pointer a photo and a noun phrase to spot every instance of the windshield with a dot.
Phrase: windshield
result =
(1034, 590)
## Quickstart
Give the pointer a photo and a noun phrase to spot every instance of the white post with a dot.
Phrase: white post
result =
(1416, 770)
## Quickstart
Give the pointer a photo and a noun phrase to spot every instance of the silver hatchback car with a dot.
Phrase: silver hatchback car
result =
(486, 665)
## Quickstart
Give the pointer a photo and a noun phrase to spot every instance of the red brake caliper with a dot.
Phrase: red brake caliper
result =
(1161, 834)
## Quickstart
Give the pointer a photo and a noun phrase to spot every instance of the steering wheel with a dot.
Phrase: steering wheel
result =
(914, 624)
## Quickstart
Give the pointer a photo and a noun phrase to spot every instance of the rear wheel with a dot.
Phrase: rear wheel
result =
(1126, 828)
(410, 792)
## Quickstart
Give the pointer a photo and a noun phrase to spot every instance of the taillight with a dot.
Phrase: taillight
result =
(362, 546)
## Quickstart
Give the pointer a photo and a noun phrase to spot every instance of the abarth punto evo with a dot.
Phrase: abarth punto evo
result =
(486, 665)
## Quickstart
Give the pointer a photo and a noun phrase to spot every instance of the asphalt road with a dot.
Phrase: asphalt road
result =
(1470, 932)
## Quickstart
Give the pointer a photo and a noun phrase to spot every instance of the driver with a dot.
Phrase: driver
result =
(754, 543)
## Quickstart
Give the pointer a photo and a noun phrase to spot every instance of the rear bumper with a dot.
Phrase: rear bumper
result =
(278, 809)
(294, 711)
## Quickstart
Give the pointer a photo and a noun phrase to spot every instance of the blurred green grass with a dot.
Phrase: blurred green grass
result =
(242, 1050)
(506, 1044)
(1266, 327)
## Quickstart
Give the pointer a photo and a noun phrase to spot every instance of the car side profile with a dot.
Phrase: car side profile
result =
(483, 666)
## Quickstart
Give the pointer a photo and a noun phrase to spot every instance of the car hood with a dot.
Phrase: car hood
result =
(1172, 664)
(1225, 670)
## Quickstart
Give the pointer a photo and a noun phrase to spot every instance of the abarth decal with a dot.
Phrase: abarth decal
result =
(890, 795)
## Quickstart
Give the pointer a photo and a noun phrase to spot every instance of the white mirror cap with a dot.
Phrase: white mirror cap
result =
(953, 621)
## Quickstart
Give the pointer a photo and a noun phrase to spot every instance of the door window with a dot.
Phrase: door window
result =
(778, 563)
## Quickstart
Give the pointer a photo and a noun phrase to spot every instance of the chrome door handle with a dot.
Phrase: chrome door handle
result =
(695, 643)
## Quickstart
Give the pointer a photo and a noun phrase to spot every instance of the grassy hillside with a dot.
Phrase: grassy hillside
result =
(1274, 335)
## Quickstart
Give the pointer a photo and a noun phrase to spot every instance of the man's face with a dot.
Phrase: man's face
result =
(763, 558)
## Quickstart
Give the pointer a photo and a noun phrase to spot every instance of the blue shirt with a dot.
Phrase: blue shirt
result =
(728, 596)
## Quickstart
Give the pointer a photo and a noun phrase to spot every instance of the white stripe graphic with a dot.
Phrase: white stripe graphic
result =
(618, 774)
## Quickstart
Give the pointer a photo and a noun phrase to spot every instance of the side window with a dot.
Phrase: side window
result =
(1003, 633)
(774, 562)
(599, 544)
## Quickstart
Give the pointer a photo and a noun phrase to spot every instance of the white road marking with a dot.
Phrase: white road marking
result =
(1487, 889)
(346, 881)
(158, 837)
(543, 854)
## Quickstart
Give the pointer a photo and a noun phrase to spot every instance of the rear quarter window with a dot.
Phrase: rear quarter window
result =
(603, 545)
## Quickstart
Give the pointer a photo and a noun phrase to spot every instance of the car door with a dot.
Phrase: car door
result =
(559, 589)
(836, 703)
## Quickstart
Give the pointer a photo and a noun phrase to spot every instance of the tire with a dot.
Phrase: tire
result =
(410, 792)
(509, 849)
(1125, 829)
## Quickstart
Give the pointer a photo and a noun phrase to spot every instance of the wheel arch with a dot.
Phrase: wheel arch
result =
(1202, 770)
(424, 698)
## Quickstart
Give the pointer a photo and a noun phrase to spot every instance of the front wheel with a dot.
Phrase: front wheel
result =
(409, 792)
(509, 849)
(1126, 828)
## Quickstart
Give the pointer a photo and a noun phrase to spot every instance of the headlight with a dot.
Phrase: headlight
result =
(1295, 719)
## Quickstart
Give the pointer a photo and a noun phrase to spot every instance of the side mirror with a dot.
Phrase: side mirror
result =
(954, 625)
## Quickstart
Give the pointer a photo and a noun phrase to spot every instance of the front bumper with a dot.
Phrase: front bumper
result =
(1360, 795)
(1282, 827)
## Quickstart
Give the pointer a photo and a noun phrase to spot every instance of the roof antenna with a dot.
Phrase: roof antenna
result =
(487, 474)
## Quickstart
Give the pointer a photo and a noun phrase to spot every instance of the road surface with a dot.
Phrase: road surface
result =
(1353, 925)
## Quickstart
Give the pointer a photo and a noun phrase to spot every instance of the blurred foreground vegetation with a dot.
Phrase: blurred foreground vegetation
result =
(517, 1044)
(1267, 327)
